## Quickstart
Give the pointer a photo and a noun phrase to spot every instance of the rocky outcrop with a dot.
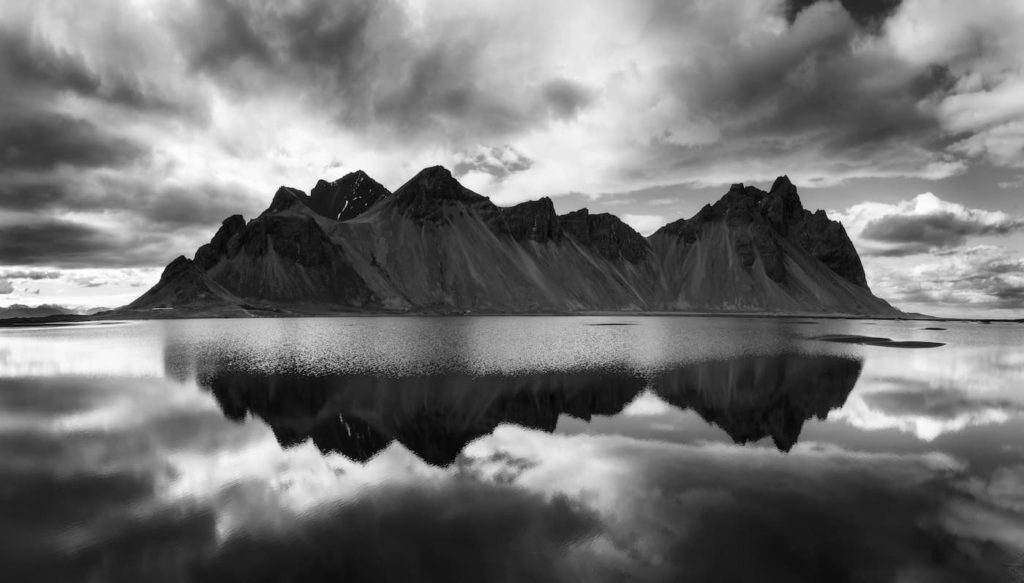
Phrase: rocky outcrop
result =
(607, 234)
(826, 240)
(435, 245)
(348, 197)
(225, 243)
(285, 199)
(289, 259)
(183, 283)
(533, 220)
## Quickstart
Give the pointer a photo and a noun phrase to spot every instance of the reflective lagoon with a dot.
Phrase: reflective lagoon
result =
(512, 449)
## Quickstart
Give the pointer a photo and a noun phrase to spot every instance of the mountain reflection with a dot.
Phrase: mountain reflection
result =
(753, 397)
(436, 416)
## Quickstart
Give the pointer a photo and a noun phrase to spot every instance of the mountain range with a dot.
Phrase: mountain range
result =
(44, 310)
(434, 246)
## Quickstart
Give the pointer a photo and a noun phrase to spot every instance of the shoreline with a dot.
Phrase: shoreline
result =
(134, 315)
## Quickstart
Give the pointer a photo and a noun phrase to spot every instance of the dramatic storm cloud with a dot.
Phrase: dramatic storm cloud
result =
(130, 130)
(924, 223)
(923, 253)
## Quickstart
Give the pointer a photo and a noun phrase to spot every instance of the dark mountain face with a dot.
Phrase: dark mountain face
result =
(286, 258)
(433, 196)
(435, 417)
(183, 282)
(788, 258)
(608, 235)
(286, 198)
(436, 246)
(760, 220)
(225, 243)
(348, 197)
(534, 220)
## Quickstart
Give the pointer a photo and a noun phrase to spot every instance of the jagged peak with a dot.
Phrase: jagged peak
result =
(289, 190)
(436, 170)
(782, 182)
(610, 235)
(436, 182)
(286, 197)
(180, 262)
(355, 176)
(532, 219)
(782, 206)
(434, 179)
(347, 197)
(543, 202)
(233, 222)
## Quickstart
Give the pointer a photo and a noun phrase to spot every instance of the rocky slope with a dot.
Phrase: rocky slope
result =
(435, 246)
(762, 251)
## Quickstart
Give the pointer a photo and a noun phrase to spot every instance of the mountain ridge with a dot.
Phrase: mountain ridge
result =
(434, 245)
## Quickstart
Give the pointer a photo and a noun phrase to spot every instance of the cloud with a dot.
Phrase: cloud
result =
(47, 241)
(747, 499)
(33, 274)
(867, 12)
(87, 241)
(45, 141)
(939, 404)
(977, 46)
(1017, 182)
(821, 98)
(490, 532)
(6, 287)
(566, 98)
(497, 162)
(42, 59)
(979, 277)
(922, 224)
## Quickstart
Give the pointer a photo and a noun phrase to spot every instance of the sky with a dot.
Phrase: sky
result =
(129, 129)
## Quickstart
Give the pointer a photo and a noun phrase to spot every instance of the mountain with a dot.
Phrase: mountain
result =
(755, 250)
(23, 311)
(750, 398)
(435, 246)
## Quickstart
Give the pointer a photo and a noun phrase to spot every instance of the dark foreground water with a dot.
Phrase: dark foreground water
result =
(512, 449)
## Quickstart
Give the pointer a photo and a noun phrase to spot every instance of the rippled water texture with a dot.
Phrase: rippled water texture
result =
(512, 449)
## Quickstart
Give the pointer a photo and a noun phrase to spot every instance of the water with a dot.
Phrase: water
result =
(511, 449)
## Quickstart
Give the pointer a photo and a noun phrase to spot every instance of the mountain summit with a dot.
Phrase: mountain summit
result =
(436, 246)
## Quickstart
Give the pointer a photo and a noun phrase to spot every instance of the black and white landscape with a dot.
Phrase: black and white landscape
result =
(436, 246)
(539, 291)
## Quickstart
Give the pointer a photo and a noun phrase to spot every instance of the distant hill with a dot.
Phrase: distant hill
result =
(44, 310)
(435, 246)
(23, 311)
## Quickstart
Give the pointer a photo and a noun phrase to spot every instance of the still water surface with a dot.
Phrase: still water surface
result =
(511, 449)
